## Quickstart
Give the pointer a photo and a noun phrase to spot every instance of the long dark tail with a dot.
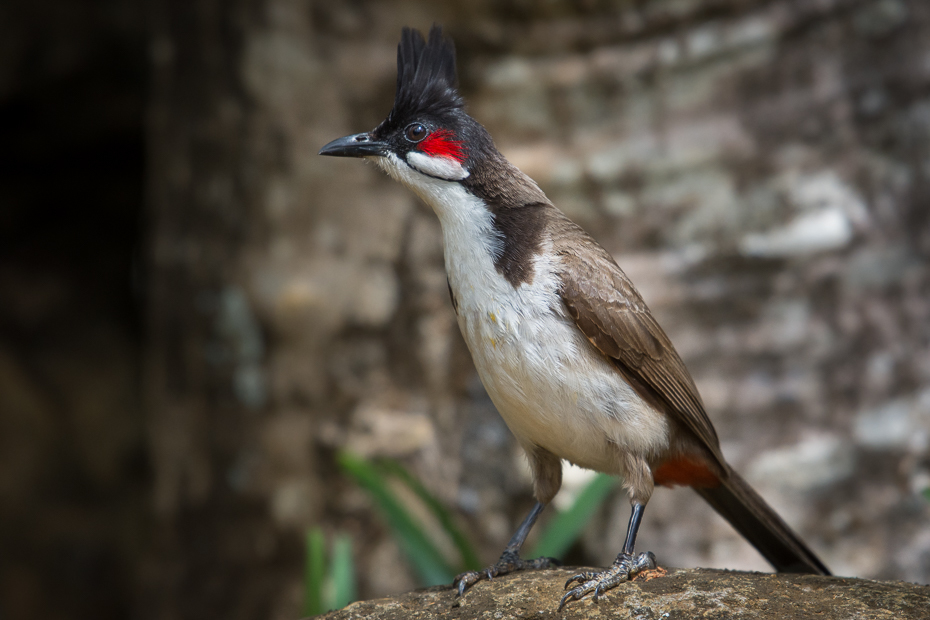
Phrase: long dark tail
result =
(739, 504)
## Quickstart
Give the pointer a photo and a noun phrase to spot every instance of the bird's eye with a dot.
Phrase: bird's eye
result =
(415, 132)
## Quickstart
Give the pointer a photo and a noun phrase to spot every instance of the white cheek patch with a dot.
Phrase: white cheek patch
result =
(442, 167)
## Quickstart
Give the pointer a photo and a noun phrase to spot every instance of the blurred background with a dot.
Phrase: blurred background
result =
(197, 313)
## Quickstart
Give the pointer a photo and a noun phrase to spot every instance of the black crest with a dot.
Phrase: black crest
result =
(426, 79)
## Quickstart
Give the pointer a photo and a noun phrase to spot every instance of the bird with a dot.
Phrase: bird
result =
(572, 358)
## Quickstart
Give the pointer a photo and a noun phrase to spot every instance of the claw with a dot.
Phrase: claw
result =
(580, 578)
(462, 581)
(569, 596)
(623, 568)
(645, 561)
(509, 562)
(465, 580)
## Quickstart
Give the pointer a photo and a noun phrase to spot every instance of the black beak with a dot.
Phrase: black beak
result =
(359, 145)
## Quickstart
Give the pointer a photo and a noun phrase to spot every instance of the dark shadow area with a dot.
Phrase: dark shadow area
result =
(72, 464)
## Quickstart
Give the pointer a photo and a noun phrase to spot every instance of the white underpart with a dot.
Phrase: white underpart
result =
(438, 166)
(546, 380)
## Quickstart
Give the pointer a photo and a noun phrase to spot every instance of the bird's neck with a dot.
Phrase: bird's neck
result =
(493, 221)
(472, 245)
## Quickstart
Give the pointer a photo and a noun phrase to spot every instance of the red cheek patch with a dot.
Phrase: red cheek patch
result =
(442, 143)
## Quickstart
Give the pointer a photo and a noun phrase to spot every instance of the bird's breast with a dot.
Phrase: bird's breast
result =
(551, 386)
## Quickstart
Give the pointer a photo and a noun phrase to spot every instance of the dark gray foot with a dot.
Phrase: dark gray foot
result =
(509, 562)
(624, 567)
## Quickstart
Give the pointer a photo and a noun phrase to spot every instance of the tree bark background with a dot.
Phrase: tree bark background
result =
(758, 167)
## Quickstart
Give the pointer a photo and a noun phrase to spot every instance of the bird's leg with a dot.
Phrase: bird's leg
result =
(510, 560)
(624, 567)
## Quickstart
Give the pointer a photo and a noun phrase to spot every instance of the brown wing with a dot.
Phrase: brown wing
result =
(612, 315)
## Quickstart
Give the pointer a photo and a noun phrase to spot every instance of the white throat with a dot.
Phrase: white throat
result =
(471, 244)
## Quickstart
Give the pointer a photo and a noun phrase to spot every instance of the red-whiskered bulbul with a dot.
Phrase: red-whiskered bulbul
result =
(569, 353)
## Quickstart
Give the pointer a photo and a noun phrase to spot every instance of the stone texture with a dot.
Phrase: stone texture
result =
(683, 593)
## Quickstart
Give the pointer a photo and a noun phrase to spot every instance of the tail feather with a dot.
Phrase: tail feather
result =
(748, 513)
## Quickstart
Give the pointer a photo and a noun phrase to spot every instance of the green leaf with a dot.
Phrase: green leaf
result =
(427, 560)
(314, 572)
(927, 494)
(563, 531)
(342, 573)
(467, 553)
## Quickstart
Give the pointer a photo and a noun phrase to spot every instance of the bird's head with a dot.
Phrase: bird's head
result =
(427, 135)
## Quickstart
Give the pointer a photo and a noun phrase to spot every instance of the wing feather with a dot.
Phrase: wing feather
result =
(610, 312)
